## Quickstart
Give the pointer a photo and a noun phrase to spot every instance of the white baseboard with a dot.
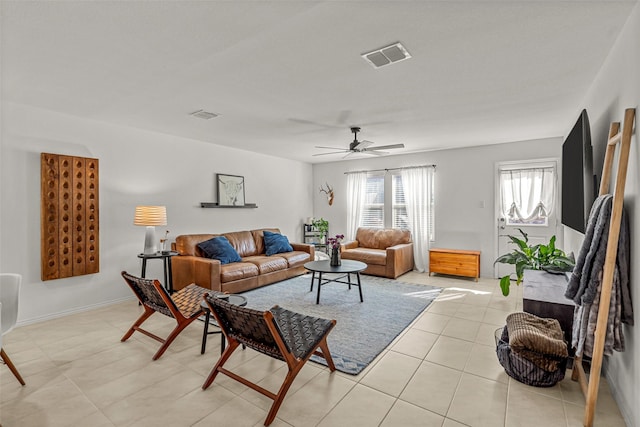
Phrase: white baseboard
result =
(616, 392)
(72, 311)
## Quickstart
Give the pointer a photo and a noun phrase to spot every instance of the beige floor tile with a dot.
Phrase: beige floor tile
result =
(496, 317)
(575, 416)
(524, 410)
(237, 412)
(448, 422)
(451, 352)
(444, 306)
(392, 373)
(462, 329)
(486, 334)
(470, 312)
(188, 409)
(432, 387)
(553, 392)
(479, 402)
(407, 415)
(310, 404)
(483, 362)
(431, 322)
(415, 343)
(361, 406)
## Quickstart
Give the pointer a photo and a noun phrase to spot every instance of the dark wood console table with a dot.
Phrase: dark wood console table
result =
(543, 295)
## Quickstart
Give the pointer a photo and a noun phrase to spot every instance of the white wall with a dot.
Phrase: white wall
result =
(616, 88)
(464, 182)
(136, 167)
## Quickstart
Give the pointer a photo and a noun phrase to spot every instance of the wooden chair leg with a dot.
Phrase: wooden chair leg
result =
(231, 347)
(326, 354)
(147, 313)
(284, 388)
(172, 336)
(12, 368)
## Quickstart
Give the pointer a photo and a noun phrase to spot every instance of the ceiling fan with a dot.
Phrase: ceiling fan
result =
(360, 147)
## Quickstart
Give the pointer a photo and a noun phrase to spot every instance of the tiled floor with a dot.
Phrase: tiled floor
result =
(442, 371)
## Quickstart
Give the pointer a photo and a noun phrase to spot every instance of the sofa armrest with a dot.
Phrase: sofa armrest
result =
(204, 272)
(305, 247)
(348, 245)
(399, 259)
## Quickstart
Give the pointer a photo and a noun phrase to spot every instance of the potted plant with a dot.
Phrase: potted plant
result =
(322, 226)
(534, 257)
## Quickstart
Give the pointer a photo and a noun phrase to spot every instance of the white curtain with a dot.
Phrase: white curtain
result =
(356, 191)
(527, 195)
(418, 184)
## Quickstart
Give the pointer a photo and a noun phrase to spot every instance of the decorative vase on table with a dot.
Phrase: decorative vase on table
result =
(335, 257)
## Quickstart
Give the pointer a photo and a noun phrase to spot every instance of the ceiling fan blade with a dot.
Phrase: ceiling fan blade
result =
(332, 148)
(348, 154)
(389, 147)
(364, 144)
(332, 152)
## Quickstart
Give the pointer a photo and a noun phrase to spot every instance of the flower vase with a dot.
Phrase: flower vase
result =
(335, 257)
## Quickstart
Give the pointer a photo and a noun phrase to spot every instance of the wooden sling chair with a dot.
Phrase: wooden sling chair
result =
(184, 306)
(279, 333)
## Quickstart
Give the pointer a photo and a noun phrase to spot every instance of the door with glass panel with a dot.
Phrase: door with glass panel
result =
(526, 199)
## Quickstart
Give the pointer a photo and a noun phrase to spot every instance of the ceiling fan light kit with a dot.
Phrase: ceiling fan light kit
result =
(359, 146)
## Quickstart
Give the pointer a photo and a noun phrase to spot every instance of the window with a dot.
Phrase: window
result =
(399, 206)
(388, 209)
(528, 194)
(373, 209)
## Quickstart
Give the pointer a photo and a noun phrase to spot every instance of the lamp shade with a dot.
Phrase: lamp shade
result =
(150, 215)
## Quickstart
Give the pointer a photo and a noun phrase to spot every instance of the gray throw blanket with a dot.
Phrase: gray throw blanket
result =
(586, 281)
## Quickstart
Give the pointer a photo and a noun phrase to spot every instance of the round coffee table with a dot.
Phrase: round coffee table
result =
(347, 268)
(233, 299)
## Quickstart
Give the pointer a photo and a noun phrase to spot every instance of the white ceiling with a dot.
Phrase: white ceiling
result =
(286, 76)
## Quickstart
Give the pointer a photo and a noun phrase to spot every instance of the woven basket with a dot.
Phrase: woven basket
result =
(523, 370)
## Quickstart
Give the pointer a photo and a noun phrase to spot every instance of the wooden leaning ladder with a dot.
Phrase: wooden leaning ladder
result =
(590, 386)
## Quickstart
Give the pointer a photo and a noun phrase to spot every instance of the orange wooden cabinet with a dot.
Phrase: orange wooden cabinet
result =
(456, 262)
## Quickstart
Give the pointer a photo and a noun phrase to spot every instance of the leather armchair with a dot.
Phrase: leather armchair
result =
(388, 252)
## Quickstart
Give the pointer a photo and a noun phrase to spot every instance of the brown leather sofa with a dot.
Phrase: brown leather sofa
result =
(255, 270)
(388, 252)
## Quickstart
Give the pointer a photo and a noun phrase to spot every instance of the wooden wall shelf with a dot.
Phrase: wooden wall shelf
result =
(216, 205)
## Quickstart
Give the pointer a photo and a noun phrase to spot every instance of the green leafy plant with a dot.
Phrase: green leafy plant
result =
(322, 226)
(534, 257)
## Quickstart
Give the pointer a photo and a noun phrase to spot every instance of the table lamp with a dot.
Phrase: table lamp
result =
(150, 216)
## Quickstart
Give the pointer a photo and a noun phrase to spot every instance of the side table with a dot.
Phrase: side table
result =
(233, 299)
(166, 258)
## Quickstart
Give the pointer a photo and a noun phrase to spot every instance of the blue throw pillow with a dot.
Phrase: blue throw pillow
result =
(219, 248)
(275, 243)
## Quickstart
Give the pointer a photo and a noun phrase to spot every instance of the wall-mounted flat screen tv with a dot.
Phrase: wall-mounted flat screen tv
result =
(578, 181)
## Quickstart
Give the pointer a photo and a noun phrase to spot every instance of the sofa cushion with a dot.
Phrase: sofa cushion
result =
(237, 271)
(243, 242)
(366, 255)
(187, 244)
(267, 264)
(296, 258)
(381, 238)
(258, 237)
(275, 243)
(219, 248)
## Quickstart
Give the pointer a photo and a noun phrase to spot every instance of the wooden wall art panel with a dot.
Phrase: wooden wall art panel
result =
(69, 216)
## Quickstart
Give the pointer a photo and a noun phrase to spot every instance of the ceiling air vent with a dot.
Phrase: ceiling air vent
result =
(201, 114)
(386, 55)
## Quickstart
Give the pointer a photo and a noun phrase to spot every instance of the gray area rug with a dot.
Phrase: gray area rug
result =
(362, 330)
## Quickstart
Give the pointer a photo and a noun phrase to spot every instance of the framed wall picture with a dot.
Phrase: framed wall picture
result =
(230, 190)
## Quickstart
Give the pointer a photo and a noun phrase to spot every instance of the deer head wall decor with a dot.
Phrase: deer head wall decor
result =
(328, 192)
